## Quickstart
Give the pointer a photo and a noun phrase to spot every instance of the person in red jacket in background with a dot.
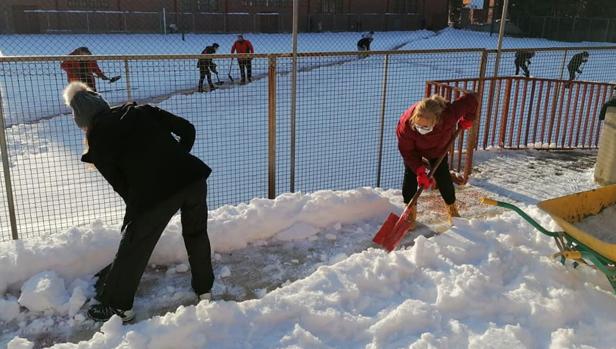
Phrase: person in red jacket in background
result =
(83, 71)
(242, 45)
(423, 132)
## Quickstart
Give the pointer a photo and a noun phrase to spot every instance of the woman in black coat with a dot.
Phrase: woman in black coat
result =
(135, 150)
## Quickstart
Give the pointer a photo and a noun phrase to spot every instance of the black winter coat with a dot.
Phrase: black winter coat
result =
(207, 62)
(135, 150)
(576, 61)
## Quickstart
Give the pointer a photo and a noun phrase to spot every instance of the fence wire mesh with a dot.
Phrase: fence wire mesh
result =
(345, 101)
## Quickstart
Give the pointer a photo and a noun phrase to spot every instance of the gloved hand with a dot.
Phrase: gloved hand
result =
(115, 78)
(423, 180)
(465, 123)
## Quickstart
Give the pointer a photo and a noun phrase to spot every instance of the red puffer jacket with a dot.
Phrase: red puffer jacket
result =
(413, 145)
(242, 47)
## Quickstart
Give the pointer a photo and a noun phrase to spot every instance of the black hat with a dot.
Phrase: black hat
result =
(215, 45)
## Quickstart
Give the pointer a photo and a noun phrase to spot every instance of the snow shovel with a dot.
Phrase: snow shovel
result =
(114, 79)
(229, 72)
(394, 228)
(217, 78)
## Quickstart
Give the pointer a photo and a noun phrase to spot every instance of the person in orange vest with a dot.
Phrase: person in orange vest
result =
(242, 45)
(84, 71)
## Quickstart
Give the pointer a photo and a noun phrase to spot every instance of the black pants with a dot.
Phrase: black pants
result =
(118, 282)
(245, 69)
(524, 67)
(205, 72)
(441, 176)
(572, 74)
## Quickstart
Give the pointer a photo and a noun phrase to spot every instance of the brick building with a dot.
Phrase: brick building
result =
(268, 16)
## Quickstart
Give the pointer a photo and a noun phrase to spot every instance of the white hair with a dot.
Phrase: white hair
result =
(71, 90)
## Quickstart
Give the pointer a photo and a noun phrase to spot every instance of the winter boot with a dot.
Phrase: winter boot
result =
(102, 312)
(452, 211)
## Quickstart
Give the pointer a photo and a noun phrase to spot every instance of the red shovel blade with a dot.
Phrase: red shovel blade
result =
(392, 240)
(392, 232)
(386, 229)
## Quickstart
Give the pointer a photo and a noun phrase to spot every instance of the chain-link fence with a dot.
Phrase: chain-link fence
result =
(341, 136)
(568, 28)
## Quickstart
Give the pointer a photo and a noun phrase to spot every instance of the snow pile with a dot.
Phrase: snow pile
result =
(81, 252)
(602, 226)
(9, 309)
(488, 283)
(45, 292)
(74, 253)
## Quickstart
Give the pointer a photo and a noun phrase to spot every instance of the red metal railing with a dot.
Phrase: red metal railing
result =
(527, 113)
(538, 113)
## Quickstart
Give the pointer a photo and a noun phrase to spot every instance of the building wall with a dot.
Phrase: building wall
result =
(146, 16)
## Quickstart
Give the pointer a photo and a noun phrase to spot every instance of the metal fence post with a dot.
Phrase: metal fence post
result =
(562, 66)
(129, 93)
(271, 129)
(7, 174)
(383, 105)
(474, 132)
(293, 94)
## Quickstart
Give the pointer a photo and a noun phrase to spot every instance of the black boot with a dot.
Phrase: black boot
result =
(103, 312)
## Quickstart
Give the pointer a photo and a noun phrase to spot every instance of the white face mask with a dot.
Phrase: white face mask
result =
(424, 130)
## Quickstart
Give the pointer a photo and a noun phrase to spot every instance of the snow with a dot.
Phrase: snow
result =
(484, 282)
(300, 271)
(9, 309)
(602, 226)
(44, 291)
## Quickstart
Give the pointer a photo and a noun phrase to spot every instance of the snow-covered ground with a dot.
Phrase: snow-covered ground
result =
(300, 271)
(232, 124)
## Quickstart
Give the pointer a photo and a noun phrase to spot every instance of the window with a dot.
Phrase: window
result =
(331, 6)
(404, 6)
(88, 4)
(207, 5)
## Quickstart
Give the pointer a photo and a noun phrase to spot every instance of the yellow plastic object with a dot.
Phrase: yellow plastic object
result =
(488, 201)
(570, 209)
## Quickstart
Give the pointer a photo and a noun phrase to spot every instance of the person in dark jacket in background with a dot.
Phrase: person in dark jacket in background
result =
(575, 65)
(423, 132)
(363, 44)
(84, 71)
(136, 149)
(206, 66)
(242, 45)
(522, 60)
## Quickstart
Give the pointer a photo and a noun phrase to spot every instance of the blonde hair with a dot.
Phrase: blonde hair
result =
(434, 105)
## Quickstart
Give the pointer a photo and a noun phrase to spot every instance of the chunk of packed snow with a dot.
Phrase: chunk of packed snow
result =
(45, 291)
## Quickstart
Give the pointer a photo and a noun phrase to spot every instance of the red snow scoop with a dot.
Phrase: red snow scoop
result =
(394, 228)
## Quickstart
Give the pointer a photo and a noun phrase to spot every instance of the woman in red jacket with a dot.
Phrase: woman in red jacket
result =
(423, 131)
(83, 71)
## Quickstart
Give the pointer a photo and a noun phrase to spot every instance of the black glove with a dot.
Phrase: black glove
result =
(115, 78)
